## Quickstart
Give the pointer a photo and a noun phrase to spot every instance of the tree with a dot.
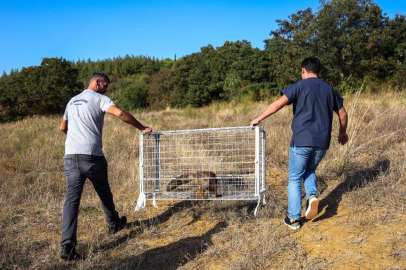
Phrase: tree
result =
(288, 45)
(223, 73)
(160, 88)
(134, 96)
(394, 51)
(43, 89)
(345, 30)
(352, 38)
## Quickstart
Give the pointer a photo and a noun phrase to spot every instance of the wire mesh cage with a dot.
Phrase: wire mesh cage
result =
(203, 164)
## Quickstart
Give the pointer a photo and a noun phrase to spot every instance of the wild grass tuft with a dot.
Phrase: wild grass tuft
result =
(362, 184)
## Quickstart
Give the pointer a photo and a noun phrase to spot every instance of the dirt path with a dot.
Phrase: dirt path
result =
(340, 237)
(348, 238)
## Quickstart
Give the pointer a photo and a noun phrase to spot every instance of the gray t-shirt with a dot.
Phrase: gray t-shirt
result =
(85, 115)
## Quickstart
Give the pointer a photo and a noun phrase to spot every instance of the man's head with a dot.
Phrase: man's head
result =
(310, 67)
(99, 82)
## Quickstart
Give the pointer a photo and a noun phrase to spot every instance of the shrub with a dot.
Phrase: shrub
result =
(134, 96)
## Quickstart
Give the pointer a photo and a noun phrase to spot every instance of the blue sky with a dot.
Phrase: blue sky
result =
(31, 30)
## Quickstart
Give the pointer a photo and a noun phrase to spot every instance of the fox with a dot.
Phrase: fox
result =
(206, 182)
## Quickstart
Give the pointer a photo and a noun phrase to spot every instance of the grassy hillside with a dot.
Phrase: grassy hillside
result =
(362, 184)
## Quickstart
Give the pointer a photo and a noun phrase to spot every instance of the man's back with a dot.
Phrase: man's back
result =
(85, 115)
(313, 104)
(83, 124)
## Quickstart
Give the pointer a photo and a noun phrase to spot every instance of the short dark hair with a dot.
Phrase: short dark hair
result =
(100, 75)
(312, 64)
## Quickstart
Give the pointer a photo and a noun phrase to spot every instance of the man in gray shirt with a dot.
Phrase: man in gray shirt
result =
(83, 124)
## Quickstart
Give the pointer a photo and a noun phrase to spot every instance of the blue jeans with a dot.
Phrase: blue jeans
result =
(303, 162)
(77, 169)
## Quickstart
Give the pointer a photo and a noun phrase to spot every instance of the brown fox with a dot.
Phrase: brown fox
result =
(205, 180)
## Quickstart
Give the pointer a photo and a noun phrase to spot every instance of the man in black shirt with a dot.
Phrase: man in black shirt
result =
(313, 104)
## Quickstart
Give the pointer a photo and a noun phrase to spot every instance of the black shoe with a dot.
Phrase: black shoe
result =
(68, 252)
(294, 224)
(120, 224)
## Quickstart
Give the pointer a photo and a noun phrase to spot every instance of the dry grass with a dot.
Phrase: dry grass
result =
(363, 196)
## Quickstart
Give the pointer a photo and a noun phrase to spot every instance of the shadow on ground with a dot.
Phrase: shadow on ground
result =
(141, 226)
(237, 207)
(145, 224)
(353, 182)
(173, 255)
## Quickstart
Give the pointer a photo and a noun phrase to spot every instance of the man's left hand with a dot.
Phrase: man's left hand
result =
(343, 138)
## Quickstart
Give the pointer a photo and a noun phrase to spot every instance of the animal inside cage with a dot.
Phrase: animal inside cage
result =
(202, 164)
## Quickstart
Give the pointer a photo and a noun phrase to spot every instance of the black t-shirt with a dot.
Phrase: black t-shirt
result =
(313, 104)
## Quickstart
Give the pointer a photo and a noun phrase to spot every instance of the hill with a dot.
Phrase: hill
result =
(361, 224)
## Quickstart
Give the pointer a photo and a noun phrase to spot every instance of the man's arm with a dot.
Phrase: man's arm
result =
(64, 126)
(272, 108)
(128, 118)
(343, 119)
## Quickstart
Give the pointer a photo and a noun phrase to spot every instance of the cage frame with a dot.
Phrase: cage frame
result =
(157, 194)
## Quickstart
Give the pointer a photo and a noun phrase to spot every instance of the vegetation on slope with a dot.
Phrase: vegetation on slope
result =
(363, 186)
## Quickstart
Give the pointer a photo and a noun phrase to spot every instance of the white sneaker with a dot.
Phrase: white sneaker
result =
(312, 207)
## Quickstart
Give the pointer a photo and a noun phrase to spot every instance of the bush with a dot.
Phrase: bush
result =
(134, 96)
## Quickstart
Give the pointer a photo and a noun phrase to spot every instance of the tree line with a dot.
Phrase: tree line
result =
(355, 41)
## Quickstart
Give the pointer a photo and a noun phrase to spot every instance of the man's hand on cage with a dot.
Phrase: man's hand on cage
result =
(146, 130)
(254, 122)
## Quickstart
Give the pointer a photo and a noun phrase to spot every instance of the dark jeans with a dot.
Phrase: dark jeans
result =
(77, 169)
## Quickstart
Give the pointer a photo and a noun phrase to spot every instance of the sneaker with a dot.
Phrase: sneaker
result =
(68, 252)
(312, 208)
(120, 224)
(294, 224)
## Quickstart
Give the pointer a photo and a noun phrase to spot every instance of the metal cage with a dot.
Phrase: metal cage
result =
(203, 164)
